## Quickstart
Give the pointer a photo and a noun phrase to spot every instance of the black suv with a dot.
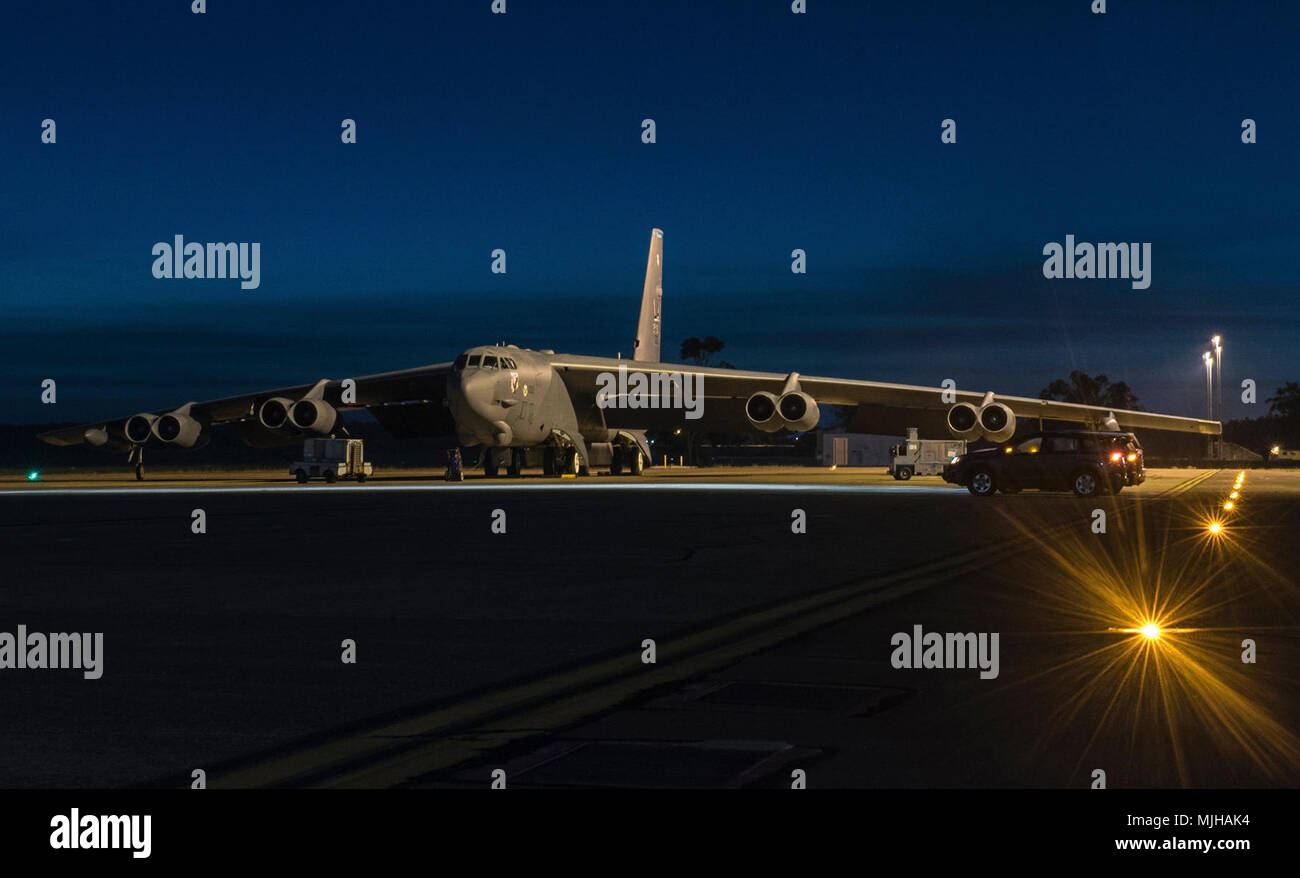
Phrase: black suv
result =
(1085, 462)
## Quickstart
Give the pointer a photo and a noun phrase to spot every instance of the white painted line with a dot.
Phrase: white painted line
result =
(349, 490)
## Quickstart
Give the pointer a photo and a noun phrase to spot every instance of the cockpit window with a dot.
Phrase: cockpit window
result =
(460, 363)
(508, 363)
(489, 362)
(474, 359)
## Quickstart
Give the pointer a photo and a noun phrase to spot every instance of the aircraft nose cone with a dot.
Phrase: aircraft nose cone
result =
(472, 397)
(478, 389)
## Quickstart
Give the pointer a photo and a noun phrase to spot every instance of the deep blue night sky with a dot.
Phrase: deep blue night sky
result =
(775, 131)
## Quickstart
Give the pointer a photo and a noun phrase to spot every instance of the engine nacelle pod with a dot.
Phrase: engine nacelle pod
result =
(964, 421)
(177, 428)
(274, 413)
(997, 422)
(798, 410)
(139, 428)
(313, 416)
(761, 411)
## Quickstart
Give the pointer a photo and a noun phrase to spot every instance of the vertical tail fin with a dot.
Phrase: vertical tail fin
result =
(648, 326)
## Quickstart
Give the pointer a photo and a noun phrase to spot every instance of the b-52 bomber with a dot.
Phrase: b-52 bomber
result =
(579, 413)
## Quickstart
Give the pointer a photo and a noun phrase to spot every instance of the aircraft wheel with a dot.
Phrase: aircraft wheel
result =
(982, 484)
(616, 463)
(573, 462)
(361, 478)
(904, 473)
(331, 477)
(301, 476)
(549, 461)
(489, 463)
(516, 463)
(638, 462)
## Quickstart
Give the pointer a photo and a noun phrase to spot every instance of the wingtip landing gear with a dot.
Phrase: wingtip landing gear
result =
(137, 454)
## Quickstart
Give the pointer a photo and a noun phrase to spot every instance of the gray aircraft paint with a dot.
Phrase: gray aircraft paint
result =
(549, 399)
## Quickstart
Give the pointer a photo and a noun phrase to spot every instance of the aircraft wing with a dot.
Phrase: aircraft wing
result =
(733, 385)
(385, 394)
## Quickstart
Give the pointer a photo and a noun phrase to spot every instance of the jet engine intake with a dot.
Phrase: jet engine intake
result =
(761, 410)
(274, 413)
(139, 427)
(313, 416)
(997, 421)
(798, 410)
(177, 428)
(964, 421)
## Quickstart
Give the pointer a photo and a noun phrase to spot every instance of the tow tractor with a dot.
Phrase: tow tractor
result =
(922, 457)
(331, 459)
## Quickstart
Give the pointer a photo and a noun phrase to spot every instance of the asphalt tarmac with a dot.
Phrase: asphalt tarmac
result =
(525, 650)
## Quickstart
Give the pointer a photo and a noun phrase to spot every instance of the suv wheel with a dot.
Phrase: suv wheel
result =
(904, 473)
(981, 483)
(1086, 483)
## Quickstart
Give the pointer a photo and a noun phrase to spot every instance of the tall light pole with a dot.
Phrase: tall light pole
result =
(1218, 375)
(1218, 393)
(1208, 358)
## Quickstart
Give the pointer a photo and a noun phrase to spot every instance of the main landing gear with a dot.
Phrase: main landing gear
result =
(492, 463)
(562, 460)
(630, 459)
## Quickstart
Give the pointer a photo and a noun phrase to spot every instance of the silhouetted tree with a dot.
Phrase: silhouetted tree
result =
(1286, 403)
(1091, 390)
(701, 351)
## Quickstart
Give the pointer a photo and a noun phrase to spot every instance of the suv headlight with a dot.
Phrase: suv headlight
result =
(955, 458)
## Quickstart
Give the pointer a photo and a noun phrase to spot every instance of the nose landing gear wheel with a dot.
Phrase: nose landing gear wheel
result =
(638, 462)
